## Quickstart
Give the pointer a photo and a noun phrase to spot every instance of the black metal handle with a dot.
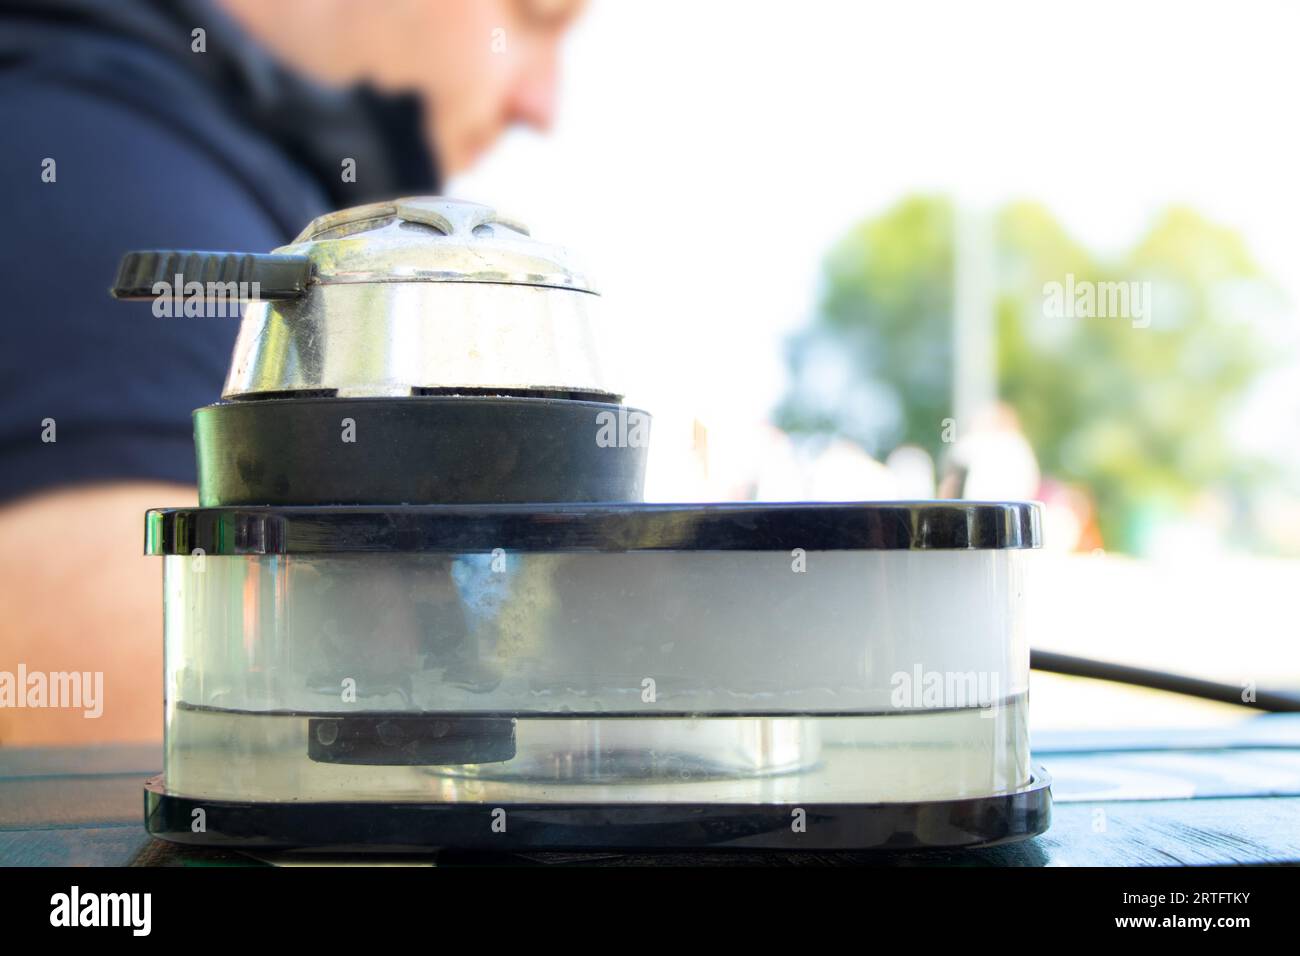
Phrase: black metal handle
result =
(232, 276)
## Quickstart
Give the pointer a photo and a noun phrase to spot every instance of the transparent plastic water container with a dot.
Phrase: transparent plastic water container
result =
(608, 666)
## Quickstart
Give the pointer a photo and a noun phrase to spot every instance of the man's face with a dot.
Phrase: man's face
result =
(480, 65)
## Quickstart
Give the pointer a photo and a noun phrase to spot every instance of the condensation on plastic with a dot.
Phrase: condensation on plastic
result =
(837, 675)
(716, 632)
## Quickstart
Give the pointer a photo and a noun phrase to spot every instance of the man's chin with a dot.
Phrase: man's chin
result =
(469, 153)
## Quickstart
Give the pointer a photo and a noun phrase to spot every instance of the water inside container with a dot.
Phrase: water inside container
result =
(891, 756)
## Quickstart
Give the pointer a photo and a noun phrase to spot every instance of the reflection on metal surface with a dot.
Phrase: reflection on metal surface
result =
(393, 337)
(419, 294)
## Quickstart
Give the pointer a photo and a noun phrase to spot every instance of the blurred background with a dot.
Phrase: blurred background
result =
(833, 240)
(848, 251)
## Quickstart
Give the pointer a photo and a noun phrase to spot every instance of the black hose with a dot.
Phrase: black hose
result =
(1272, 701)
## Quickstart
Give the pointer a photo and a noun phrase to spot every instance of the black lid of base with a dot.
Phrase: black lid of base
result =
(611, 527)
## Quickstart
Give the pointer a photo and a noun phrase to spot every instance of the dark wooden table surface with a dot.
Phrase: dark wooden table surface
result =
(1229, 796)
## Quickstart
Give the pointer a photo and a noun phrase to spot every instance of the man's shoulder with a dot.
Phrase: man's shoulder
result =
(97, 165)
(142, 113)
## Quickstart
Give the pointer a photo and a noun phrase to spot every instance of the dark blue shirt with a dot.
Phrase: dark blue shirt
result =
(153, 146)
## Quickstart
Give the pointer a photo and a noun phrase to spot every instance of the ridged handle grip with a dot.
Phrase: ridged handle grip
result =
(232, 276)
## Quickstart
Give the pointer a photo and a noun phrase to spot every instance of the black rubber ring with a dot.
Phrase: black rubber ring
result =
(418, 450)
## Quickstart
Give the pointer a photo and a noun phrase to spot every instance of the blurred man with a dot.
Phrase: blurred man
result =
(138, 124)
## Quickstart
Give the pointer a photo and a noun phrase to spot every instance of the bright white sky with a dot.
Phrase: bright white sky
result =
(708, 153)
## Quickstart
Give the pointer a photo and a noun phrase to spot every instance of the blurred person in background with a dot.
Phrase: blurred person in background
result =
(202, 125)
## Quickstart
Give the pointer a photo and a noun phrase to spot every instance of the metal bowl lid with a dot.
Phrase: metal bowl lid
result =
(423, 296)
(431, 239)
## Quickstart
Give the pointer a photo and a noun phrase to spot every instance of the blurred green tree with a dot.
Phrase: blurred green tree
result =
(1139, 416)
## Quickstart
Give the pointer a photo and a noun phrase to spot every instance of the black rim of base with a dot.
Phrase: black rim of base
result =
(608, 526)
(415, 827)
